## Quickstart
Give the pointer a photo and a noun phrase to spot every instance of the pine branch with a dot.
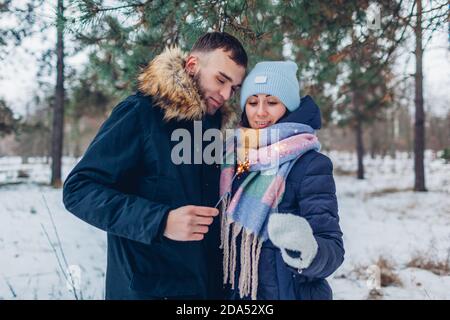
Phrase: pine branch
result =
(94, 8)
(432, 20)
(443, 5)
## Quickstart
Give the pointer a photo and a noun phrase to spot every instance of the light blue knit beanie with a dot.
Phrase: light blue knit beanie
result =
(277, 78)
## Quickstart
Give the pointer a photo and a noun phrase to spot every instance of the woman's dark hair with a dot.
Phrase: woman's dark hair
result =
(221, 40)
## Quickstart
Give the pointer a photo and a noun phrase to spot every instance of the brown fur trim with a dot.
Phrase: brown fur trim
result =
(171, 88)
(174, 91)
(229, 117)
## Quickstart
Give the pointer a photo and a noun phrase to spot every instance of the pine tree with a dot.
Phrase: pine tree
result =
(7, 121)
(365, 79)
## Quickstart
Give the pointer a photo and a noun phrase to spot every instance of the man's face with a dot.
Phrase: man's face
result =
(218, 78)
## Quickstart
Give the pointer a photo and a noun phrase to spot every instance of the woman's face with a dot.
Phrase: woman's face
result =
(263, 110)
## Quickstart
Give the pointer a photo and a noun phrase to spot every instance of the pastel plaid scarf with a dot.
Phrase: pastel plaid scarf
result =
(268, 154)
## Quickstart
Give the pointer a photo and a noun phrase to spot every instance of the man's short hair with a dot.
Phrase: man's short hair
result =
(221, 40)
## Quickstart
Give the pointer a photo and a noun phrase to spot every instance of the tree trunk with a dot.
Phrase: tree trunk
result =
(419, 132)
(77, 136)
(359, 135)
(359, 148)
(374, 143)
(393, 133)
(58, 112)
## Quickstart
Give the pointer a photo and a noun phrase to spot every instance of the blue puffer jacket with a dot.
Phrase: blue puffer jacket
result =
(310, 194)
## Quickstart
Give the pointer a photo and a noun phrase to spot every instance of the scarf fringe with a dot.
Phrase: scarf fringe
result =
(256, 251)
(248, 259)
(224, 241)
(236, 230)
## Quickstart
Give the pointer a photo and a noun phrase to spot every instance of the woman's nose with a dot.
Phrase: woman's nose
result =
(261, 112)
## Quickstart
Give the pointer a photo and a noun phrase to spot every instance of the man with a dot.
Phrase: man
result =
(163, 233)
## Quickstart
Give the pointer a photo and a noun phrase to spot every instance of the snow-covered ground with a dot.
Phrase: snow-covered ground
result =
(29, 267)
(382, 219)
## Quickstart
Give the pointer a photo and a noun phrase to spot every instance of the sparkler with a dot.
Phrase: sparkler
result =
(241, 168)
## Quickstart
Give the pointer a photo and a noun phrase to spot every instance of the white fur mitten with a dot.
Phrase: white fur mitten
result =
(293, 233)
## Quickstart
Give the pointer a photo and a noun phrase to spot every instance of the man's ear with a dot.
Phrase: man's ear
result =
(192, 64)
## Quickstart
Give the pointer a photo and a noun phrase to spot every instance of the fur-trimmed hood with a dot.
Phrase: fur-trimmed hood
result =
(174, 91)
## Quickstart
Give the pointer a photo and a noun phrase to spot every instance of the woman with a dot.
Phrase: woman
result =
(280, 226)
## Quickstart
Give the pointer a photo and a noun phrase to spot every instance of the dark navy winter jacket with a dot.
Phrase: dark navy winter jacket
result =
(125, 184)
(310, 193)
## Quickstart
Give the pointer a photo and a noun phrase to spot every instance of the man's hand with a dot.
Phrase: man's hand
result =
(189, 223)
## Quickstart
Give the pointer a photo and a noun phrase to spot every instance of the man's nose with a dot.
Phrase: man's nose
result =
(226, 93)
